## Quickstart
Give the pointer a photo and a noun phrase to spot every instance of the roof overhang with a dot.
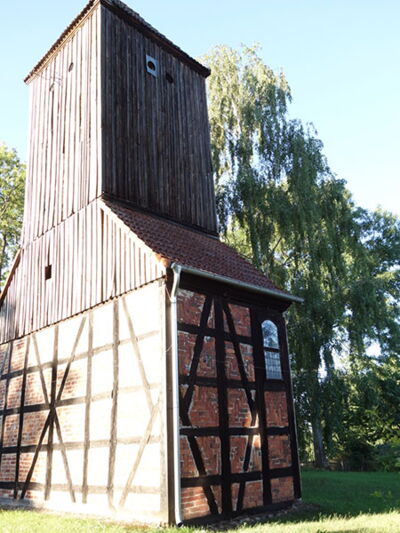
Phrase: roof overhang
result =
(281, 295)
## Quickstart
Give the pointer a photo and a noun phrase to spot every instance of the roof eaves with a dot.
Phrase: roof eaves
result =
(168, 257)
(276, 293)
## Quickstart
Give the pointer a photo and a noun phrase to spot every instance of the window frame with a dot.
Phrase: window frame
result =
(271, 349)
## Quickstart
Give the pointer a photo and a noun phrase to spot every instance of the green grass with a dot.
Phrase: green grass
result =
(335, 502)
(343, 502)
(352, 493)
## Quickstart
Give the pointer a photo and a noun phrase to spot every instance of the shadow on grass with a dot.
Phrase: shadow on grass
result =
(340, 494)
(352, 493)
(346, 494)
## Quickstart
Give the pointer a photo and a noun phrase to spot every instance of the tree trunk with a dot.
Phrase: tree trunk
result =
(254, 241)
(318, 441)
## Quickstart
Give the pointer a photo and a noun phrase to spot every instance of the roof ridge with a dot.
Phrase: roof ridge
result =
(124, 7)
(134, 18)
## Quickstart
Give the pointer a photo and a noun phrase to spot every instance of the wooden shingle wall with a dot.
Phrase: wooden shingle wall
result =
(93, 258)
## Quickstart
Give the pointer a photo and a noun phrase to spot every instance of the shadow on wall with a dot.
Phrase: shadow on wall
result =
(81, 425)
(43, 379)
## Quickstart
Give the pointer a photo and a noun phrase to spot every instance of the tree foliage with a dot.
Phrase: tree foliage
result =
(280, 205)
(12, 180)
(374, 293)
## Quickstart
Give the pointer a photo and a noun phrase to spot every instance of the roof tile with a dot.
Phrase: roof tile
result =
(173, 242)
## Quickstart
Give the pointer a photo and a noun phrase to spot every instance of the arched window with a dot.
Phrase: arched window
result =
(272, 356)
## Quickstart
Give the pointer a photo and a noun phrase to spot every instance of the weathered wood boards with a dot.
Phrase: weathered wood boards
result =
(92, 257)
(65, 133)
(156, 142)
(118, 111)
(101, 123)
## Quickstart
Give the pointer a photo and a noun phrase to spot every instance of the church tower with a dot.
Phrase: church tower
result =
(144, 369)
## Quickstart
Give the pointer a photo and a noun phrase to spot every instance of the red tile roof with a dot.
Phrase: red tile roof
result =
(175, 243)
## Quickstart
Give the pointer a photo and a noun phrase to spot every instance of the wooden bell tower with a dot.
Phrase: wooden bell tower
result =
(144, 370)
(118, 110)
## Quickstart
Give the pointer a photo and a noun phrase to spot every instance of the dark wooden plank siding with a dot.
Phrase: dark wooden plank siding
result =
(65, 133)
(100, 123)
(93, 258)
(155, 132)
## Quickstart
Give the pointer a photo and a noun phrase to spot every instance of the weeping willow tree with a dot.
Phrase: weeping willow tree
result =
(280, 205)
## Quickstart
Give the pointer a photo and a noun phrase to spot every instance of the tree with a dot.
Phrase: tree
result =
(247, 109)
(12, 179)
(374, 294)
(279, 204)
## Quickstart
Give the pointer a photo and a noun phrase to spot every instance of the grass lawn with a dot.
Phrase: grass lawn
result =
(341, 502)
(352, 493)
(345, 502)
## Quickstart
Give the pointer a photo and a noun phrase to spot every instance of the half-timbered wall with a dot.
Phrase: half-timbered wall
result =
(238, 444)
(64, 159)
(156, 144)
(84, 261)
(82, 408)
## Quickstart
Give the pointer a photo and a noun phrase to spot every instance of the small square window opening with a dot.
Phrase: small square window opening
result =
(47, 272)
(152, 66)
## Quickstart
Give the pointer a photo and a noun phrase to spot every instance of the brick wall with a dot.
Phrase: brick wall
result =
(245, 452)
(110, 413)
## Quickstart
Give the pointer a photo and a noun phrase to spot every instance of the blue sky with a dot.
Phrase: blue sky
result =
(341, 57)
